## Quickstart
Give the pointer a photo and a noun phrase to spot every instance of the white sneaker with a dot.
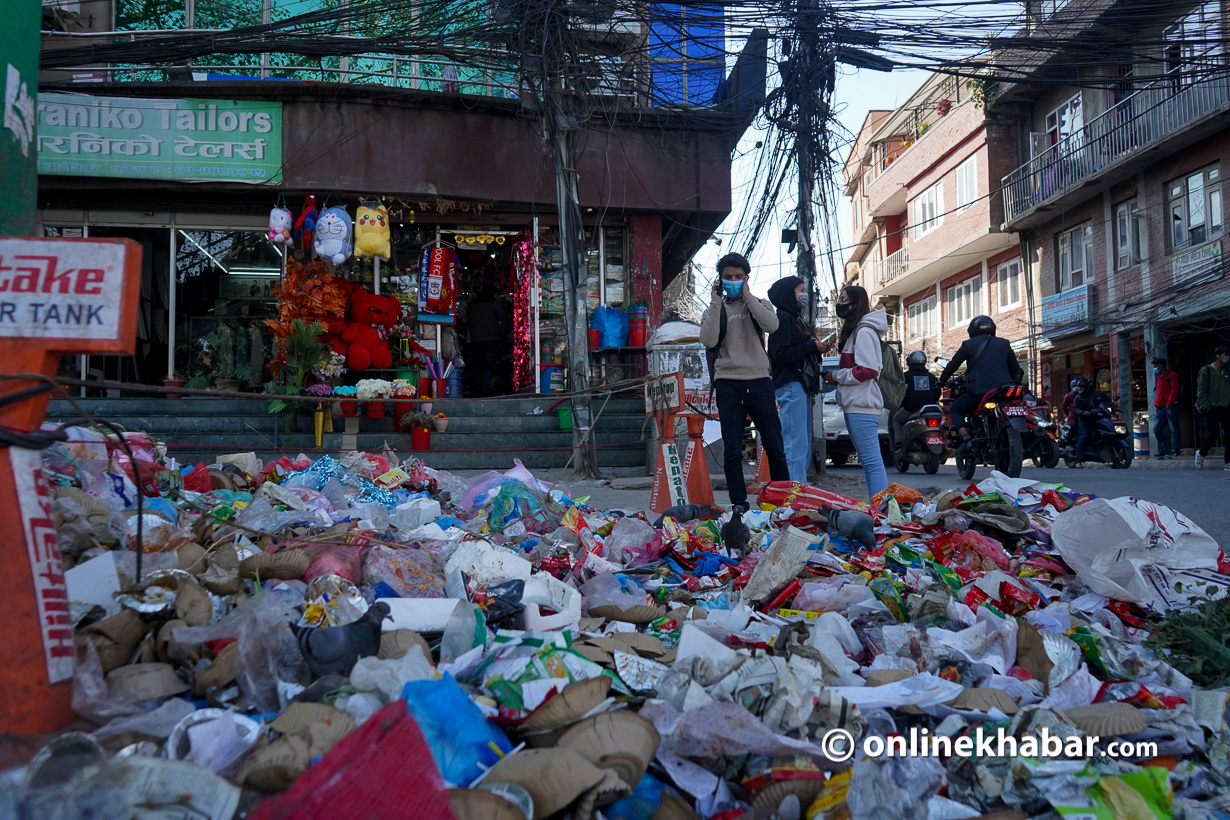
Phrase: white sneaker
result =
(1199, 461)
(1227, 467)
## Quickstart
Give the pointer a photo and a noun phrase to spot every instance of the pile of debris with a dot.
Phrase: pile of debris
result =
(339, 637)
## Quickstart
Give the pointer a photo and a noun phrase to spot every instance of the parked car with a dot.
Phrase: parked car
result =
(839, 447)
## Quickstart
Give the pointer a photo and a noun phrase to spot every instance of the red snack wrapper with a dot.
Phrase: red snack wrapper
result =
(1016, 601)
(975, 597)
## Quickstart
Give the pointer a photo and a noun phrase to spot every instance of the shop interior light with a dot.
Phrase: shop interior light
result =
(255, 271)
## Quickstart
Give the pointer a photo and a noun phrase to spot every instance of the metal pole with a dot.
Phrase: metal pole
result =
(171, 303)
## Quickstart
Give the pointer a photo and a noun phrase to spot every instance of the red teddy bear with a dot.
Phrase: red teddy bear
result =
(367, 336)
(335, 326)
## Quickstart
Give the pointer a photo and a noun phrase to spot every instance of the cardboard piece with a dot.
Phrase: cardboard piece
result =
(553, 777)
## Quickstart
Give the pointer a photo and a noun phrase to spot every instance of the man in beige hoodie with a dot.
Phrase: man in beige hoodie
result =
(741, 372)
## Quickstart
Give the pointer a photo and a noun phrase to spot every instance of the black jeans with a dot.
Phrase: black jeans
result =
(1089, 429)
(736, 400)
(1214, 417)
(962, 408)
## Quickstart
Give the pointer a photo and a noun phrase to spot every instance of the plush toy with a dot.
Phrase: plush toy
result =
(371, 231)
(280, 221)
(332, 241)
(306, 222)
(335, 326)
(367, 336)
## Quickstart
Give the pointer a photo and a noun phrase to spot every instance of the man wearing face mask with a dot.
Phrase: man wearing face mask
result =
(734, 327)
(1166, 410)
(1213, 400)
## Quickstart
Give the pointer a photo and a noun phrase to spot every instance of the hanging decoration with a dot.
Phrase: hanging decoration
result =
(332, 242)
(280, 223)
(306, 222)
(371, 230)
(525, 268)
(438, 285)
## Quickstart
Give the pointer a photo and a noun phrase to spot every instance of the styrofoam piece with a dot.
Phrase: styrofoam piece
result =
(95, 582)
(419, 614)
(415, 513)
(487, 566)
(545, 590)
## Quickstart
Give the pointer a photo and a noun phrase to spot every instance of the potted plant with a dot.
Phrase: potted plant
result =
(440, 422)
(403, 392)
(331, 368)
(350, 407)
(174, 380)
(374, 392)
(419, 425)
(220, 347)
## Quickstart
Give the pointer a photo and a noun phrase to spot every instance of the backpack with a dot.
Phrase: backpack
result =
(712, 353)
(892, 377)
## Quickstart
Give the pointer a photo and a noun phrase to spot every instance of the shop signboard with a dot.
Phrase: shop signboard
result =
(1066, 312)
(139, 138)
(1199, 265)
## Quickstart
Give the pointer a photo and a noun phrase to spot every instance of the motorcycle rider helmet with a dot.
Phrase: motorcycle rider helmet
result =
(915, 357)
(1083, 384)
(981, 326)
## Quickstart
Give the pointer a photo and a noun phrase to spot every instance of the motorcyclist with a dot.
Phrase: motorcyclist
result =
(1068, 415)
(921, 389)
(1087, 407)
(990, 363)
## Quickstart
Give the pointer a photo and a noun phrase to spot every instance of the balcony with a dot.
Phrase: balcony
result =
(888, 269)
(1114, 143)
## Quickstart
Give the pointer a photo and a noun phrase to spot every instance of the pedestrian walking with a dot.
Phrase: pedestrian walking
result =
(1213, 402)
(733, 328)
(1166, 410)
(794, 354)
(856, 377)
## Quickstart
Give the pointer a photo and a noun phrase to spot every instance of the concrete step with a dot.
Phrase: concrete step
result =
(191, 406)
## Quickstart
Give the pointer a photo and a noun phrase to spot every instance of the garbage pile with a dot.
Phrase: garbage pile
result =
(359, 637)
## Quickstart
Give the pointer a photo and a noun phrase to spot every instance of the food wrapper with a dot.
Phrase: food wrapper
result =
(831, 804)
(332, 601)
(904, 496)
(761, 771)
(1140, 795)
(393, 479)
(1017, 602)
(886, 593)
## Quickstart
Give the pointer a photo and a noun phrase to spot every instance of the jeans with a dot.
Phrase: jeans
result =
(1088, 428)
(865, 433)
(1167, 417)
(736, 400)
(962, 408)
(1216, 417)
(794, 410)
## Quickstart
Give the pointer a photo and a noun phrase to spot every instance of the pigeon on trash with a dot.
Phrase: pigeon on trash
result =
(690, 512)
(735, 534)
(334, 650)
(855, 525)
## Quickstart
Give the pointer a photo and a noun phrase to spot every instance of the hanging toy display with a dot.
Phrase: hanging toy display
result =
(306, 222)
(371, 231)
(524, 272)
(437, 285)
(280, 223)
(332, 241)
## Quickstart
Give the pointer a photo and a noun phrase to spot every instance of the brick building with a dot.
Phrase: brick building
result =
(924, 185)
(1117, 197)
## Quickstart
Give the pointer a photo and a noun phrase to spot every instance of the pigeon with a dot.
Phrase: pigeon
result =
(334, 650)
(855, 525)
(735, 534)
(690, 512)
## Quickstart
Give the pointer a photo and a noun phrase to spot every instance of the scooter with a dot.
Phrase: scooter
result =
(1039, 442)
(1108, 444)
(922, 441)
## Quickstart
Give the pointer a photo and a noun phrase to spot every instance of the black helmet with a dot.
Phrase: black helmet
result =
(1083, 384)
(981, 326)
(915, 357)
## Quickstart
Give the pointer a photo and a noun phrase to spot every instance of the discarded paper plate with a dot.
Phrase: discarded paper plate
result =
(1107, 719)
(144, 681)
(97, 513)
(615, 740)
(179, 745)
(220, 479)
(611, 788)
(220, 671)
(641, 614)
(771, 796)
(63, 759)
(553, 777)
(514, 794)
(394, 645)
(286, 565)
(984, 700)
(569, 705)
(479, 804)
(191, 557)
(672, 807)
(276, 766)
(193, 605)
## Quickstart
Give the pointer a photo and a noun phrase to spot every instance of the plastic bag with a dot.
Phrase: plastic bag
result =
(466, 628)
(970, 548)
(612, 589)
(628, 540)
(459, 736)
(411, 573)
(345, 560)
(1137, 551)
(612, 325)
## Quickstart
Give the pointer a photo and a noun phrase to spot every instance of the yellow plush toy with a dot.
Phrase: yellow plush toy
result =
(371, 231)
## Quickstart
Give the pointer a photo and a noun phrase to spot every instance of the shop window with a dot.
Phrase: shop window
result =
(1075, 257)
(926, 211)
(967, 182)
(1130, 237)
(964, 301)
(1194, 207)
(1008, 276)
(923, 319)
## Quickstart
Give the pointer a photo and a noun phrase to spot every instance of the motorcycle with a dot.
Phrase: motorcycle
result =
(1108, 445)
(1040, 442)
(922, 441)
(995, 430)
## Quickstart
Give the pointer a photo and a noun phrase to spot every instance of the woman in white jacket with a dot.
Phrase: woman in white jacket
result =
(856, 377)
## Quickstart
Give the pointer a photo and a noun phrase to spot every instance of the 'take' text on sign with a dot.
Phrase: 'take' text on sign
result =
(65, 290)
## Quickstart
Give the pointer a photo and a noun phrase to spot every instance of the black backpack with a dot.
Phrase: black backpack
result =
(712, 353)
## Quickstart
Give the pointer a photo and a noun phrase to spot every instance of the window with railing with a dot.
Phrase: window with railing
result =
(923, 319)
(927, 210)
(964, 301)
(1075, 257)
(1194, 206)
(1131, 241)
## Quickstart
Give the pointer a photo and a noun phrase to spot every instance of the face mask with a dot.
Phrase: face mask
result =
(732, 289)
(1155, 370)
(1225, 359)
(843, 309)
(801, 298)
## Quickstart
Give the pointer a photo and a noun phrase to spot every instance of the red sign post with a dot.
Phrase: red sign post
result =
(57, 297)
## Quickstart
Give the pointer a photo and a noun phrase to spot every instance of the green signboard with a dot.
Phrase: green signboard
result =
(190, 140)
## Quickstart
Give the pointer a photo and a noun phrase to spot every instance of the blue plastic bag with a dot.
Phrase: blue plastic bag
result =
(612, 326)
(459, 736)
